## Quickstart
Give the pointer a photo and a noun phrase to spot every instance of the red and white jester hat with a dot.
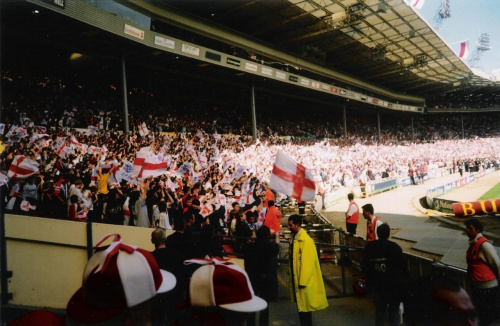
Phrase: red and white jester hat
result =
(221, 283)
(115, 278)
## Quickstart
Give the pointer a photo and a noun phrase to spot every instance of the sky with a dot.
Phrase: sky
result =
(469, 19)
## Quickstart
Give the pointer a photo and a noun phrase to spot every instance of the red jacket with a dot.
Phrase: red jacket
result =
(354, 218)
(478, 270)
(371, 229)
(273, 219)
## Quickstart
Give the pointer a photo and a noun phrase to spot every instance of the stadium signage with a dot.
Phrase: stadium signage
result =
(266, 71)
(132, 31)
(59, 3)
(234, 62)
(443, 204)
(193, 50)
(476, 207)
(250, 66)
(165, 42)
(293, 78)
(280, 75)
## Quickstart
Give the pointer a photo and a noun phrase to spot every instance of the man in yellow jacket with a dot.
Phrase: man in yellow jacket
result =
(307, 286)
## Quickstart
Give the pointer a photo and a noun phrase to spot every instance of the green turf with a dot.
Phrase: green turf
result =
(493, 193)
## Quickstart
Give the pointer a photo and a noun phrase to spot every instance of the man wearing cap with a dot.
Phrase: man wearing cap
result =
(307, 286)
(220, 293)
(120, 285)
(372, 222)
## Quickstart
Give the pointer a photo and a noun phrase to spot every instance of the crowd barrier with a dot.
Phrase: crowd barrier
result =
(443, 205)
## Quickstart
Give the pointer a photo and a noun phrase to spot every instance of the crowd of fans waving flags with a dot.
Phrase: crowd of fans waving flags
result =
(198, 155)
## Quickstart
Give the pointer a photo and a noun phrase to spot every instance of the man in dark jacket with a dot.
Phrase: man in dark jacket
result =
(261, 266)
(385, 272)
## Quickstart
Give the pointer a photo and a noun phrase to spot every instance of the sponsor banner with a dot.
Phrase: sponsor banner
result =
(59, 3)
(334, 89)
(324, 87)
(448, 187)
(251, 66)
(351, 94)
(476, 207)
(280, 75)
(443, 205)
(375, 101)
(293, 78)
(132, 31)
(357, 96)
(438, 191)
(405, 182)
(266, 71)
(304, 81)
(234, 62)
(315, 84)
(190, 49)
(342, 92)
(165, 42)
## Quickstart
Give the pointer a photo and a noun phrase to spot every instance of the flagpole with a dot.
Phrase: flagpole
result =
(254, 118)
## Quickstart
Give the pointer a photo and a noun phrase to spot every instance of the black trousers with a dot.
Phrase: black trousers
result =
(485, 301)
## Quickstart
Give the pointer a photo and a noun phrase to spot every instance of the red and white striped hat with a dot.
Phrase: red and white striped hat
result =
(221, 283)
(115, 278)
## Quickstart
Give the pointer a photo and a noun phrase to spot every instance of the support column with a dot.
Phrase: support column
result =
(254, 117)
(463, 130)
(345, 121)
(124, 97)
(378, 125)
(412, 130)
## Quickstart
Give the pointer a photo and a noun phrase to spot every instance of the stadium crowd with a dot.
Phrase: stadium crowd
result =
(208, 159)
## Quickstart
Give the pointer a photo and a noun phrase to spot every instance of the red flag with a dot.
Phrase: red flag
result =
(22, 167)
(292, 179)
(464, 50)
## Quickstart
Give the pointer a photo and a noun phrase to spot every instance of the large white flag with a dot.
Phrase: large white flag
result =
(147, 164)
(22, 167)
(292, 179)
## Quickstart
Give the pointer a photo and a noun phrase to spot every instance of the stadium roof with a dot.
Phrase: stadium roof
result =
(383, 43)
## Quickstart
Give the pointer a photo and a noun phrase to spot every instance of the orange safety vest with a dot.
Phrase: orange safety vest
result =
(478, 270)
(370, 229)
(354, 218)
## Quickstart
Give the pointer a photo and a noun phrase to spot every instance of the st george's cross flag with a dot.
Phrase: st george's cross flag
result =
(143, 130)
(292, 179)
(22, 167)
